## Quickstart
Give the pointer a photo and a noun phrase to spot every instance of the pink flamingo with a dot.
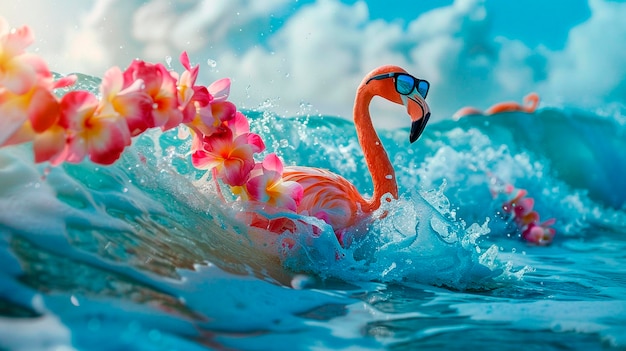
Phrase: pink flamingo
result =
(334, 199)
(531, 101)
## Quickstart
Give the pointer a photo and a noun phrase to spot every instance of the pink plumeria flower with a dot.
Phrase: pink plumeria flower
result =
(220, 110)
(270, 188)
(522, 208)
(211, 119)
(102, 137)
(130, 102)
(26, 87)
(540, 234)
(160, 86)
(212, 116)
(231, 158)
(19, 71)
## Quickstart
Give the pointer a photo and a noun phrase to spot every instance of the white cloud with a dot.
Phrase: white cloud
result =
(318, 53)
(592, 67)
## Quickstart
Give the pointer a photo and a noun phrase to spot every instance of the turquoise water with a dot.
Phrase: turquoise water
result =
(143, 255)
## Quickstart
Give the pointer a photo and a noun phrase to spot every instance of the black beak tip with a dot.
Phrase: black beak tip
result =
(417, 128)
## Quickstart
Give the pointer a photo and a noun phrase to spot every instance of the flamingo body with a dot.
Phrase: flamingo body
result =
(327, 196)
(530, 105)
(531, 101)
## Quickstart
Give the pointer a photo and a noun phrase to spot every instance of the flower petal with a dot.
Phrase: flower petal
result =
(75, 107)
(43, 110)
(256, 142)
(223, 110)
(273, 163)
(239, 124)
(13, 116)
(220, 89)
(107, 146)
(49, 146)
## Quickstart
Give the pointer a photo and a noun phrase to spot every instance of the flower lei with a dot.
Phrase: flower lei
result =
(519, 206)
(145, 95)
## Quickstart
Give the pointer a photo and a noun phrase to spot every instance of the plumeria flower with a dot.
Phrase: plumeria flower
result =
(211, 119)
(524, 216)
(540, 234)
(27, 104)
(19, 71)
(212, 114)
(160, 86)
(130, 102)
(230, 157)
(90, 132)
(218, 110)
(270, 188)
(522, 208)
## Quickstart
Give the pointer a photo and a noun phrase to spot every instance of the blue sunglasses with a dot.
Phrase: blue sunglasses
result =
(405, 83)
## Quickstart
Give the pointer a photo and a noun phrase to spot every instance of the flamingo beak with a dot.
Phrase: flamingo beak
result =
(419, 111)
(417, 127)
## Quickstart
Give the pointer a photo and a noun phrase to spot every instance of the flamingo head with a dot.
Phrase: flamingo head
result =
(396, 85)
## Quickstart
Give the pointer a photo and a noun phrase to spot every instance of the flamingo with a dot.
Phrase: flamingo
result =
(334, 199)
(531, 101)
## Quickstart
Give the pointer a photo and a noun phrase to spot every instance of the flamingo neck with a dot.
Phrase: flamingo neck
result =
(376, 159)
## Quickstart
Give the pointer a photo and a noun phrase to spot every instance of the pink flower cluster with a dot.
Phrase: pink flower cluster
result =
(521, 207)
(144, 96)
(223, 143)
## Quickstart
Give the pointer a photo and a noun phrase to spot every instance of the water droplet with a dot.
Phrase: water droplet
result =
(74, 301)
(125, 190)
(168, 60)
(45, 173)
(286, 75)
(211, 63)
(389, 176)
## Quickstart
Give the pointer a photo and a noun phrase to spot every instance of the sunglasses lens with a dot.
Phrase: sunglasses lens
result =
(422, 88)
(405, 84)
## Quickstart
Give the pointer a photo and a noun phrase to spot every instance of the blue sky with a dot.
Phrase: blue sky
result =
(308, 56)
(533, 21)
